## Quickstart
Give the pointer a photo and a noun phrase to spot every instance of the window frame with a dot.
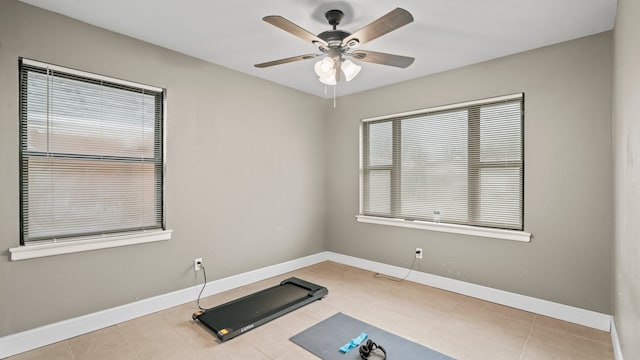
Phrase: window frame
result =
(474, 227)
(103, 239)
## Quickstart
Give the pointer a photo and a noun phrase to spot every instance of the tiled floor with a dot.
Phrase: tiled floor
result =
(459, 326)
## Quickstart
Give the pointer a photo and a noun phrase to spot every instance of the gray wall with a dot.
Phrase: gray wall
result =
(245, 186)
(626, 130)
(568, 186)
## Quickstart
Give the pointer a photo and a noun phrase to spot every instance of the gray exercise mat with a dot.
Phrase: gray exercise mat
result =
(325, 338)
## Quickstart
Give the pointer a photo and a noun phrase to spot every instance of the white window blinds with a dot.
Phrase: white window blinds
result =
(458, 164)
(91, 154)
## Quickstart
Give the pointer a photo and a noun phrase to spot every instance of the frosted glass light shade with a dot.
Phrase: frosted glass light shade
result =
(326, 71)
(350, 69)
(329, 80)
(324, 67)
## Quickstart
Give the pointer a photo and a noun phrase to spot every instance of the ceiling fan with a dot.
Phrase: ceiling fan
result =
(338, 44)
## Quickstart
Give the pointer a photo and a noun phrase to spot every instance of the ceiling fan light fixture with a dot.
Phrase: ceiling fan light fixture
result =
(350, 69)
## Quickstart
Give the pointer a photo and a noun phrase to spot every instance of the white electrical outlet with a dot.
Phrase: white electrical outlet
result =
(418, 253)
(197, 264)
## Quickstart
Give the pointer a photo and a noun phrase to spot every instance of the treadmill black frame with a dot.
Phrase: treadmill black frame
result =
(224, 333)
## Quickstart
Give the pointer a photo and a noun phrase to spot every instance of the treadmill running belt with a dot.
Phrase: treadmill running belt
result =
(238, 313)
(238, 316)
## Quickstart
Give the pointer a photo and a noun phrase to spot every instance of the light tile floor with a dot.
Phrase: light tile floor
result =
(457, 325)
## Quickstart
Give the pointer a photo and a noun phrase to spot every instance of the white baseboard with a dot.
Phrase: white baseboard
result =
(49, 334)
(543, 307)
(45, 335)
(615, 341)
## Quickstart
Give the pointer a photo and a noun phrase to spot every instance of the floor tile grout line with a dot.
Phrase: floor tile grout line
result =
(574, 335)
(126, 341)
(260, 350)
(526, 342)
(73, 357)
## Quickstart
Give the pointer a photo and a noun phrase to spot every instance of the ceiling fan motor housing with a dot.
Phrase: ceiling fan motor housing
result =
(333, 37)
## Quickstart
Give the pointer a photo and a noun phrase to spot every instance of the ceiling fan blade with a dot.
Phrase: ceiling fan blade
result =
(286, 60)
(383, 58)
(288, 26)
(390, 21)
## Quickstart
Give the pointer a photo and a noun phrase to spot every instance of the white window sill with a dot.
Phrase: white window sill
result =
(450, 228)
(74, 246)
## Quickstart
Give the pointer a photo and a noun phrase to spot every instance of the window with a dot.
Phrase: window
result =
(458, 164)
(91, 155)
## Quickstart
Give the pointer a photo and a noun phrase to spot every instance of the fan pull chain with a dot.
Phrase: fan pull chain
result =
(334, 96)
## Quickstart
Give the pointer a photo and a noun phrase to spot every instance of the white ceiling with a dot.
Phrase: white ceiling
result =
(446, 34)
